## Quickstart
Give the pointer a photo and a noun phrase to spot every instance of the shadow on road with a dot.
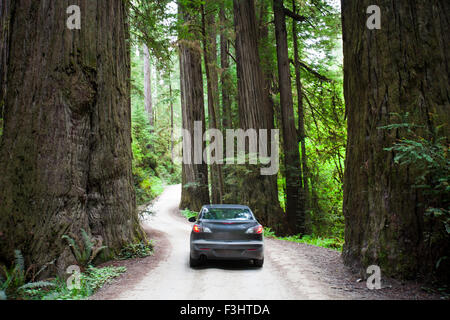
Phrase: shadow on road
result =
(228, 265)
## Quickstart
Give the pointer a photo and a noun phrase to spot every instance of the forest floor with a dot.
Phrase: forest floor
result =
(292, 271)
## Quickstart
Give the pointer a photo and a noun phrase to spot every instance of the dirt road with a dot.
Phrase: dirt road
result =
(291, 271)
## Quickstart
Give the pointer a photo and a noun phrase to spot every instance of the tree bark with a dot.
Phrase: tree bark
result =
(66, 149)
(210, 58)
(258, 191)
(403, 67)
(301, 116)
(195, 191)
(227, 120)
(294, 202)
(229, 188)
(5, 11)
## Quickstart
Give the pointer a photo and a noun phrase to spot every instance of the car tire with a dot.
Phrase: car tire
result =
(193, 262)
(258, 262)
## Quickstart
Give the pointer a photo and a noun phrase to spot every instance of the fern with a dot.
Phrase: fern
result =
(429, 159)
(73, 246)
(35, 285)
(88, 245)
(86, 250)
(20, 264)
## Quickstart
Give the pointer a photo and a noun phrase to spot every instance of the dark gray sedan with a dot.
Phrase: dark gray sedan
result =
(226, 232)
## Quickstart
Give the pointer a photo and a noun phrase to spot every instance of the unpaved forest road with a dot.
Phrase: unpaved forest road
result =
(291, 271)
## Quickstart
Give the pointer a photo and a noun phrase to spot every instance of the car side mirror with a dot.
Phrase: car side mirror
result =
(192, 219)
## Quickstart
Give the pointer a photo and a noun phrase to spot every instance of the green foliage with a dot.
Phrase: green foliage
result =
(425, 153)
(13, 278)
(90, 281)
(153, 168)
(85, 250)
(13, 281)
(149, 25)
(136, 250)
(188, 213)
(330, 243)
(95, 278)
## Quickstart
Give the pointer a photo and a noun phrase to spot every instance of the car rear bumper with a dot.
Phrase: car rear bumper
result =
(227, 250)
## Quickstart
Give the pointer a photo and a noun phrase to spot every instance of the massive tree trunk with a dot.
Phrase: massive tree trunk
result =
(212, 78)
(258, 191)
(294, 201)
(66, 149)
(403, 67)
(4, 53)
(230, 189)
(148, 85)
(195, 191)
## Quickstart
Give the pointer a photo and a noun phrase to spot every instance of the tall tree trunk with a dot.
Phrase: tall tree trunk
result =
(294, 202)
(268, 68)
(267, 62)
(5, 10)
(195, 191)
(227, 120)
(301, 115)
(172, 155)
(230, 189)
(148, 85)
(258, 191)
(66, 149)
(210, 58)
(401, 68)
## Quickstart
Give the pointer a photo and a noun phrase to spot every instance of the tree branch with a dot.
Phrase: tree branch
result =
(231, 56)
(294, 16)
(309, 69)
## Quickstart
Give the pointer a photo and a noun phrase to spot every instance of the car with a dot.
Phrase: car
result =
(226, 232)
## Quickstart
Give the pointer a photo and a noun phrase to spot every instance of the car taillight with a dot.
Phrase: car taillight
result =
(197, 228)
(259, 229)
(256, 230)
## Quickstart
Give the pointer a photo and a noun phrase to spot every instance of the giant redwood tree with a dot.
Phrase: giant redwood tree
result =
(295, 202)
(195, 191)
(258, 191)
(65, 152)
(403, 69)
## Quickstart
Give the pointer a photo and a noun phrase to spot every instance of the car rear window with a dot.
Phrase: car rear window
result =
(227, 214)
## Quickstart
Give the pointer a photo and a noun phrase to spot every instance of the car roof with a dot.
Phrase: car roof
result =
(225, 206)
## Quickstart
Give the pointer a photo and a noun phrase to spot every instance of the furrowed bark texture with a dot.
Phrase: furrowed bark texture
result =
(258, 191)
(294, 194)
(404, 67)
(4, 51)
(212, 78)
(66, 150)
(301, 116)
(227, 120)
(195, 191)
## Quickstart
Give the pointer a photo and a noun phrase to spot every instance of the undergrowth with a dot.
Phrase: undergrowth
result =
(330, 243)
(90, 281)
(136, 250)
